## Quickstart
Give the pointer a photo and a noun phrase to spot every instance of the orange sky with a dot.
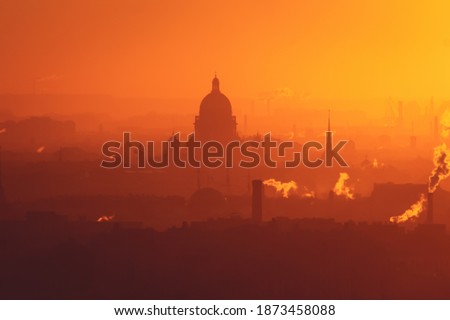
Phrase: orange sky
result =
(328, 49)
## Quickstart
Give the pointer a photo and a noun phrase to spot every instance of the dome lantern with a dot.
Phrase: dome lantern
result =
(215, 83)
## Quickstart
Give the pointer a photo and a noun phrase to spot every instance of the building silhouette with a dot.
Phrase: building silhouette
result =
(257, 198)
(215, 120)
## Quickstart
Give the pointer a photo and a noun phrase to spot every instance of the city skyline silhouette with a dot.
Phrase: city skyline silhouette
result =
(355, 94)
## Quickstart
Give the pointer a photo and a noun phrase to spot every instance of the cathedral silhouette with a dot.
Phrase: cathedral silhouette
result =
(215, 120)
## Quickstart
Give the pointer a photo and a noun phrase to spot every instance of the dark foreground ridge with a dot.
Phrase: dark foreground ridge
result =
(48, 257)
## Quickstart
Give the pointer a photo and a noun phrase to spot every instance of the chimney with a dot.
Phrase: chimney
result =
(331, 196)
(257, 200)
(430, 208)
(436, 129)
(413, 142)
(400, 113)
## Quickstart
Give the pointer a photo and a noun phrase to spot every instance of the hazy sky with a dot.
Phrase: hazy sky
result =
(330, 49)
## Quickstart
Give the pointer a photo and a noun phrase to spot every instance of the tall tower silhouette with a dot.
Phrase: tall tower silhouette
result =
(257, 198)
(329, 120)
(329, 140)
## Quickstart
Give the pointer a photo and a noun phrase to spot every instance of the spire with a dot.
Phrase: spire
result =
(329, 116)
(215, 83)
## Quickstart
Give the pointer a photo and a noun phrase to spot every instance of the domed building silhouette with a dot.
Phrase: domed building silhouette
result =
(215, 120)
(207, 203)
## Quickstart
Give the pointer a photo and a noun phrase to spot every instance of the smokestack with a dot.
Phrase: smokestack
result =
(430, 208)
(413, 138)
(436, 129)
(329, 120)
(328, 142)
(413, 142)
(400, 113)
(199, 182)
(257, 197)
(245, 124)
(331, 196)
(228, 181)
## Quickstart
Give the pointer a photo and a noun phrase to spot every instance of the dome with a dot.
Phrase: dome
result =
(215, 104)
(207, 203)
(215, 120)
